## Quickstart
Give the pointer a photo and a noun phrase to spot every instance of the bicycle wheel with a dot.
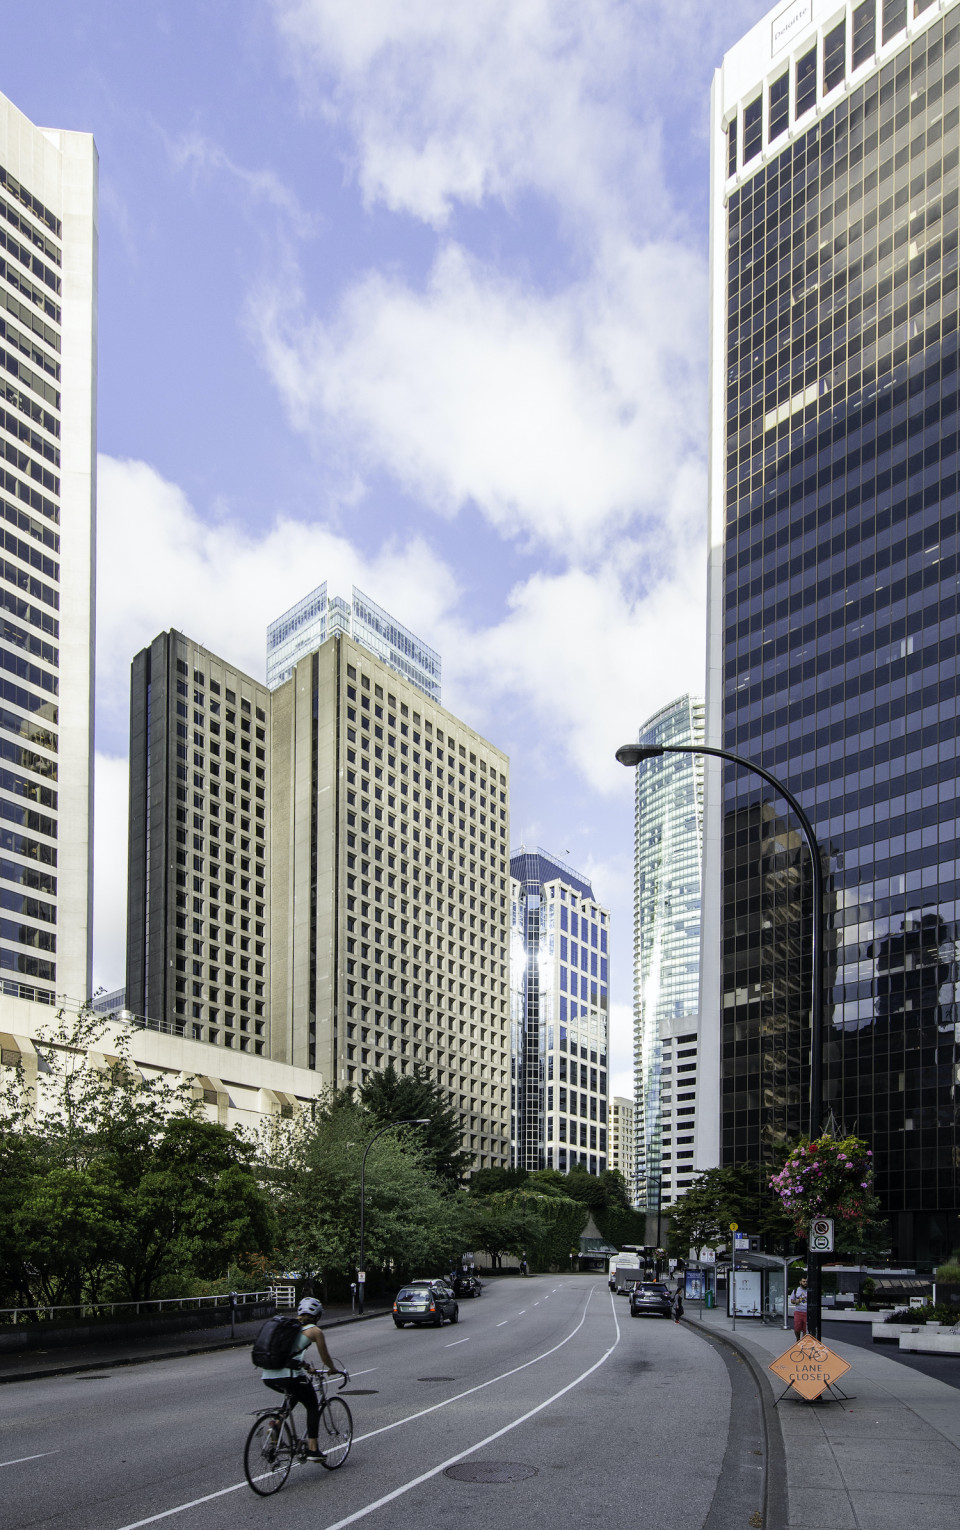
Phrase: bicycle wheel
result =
(336, 1432)
(268, 1455)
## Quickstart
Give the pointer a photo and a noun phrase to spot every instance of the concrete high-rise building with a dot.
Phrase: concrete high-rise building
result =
(833, 590)
(559, 1017)
(302, 629)
(623, 1147)
(48, 356)
(319, 874)
(198, 927)
(666, 953)
(389, 887)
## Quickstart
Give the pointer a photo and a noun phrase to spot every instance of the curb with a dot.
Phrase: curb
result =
(170, 1354)
(775, 1502)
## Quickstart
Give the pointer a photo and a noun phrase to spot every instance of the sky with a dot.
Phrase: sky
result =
(412, 296)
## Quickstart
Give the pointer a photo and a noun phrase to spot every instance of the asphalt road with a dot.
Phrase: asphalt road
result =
(621, 1421)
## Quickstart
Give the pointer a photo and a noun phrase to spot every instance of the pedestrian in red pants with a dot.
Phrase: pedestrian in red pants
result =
(799, 1299)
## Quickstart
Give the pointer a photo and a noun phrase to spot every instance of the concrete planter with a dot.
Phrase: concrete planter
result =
(931, 1340)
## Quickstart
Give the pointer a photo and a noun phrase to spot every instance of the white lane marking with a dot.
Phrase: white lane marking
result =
(364, 1373)
(17, 1460)
(453, 1344)
(385, 1428)
(521, 1312)
(536, 1304)
(504, 1323)
(434, 1471)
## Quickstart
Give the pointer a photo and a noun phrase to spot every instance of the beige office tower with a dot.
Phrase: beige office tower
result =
(389, 892)
(199, 847)
(623, 1147)
(48, 363)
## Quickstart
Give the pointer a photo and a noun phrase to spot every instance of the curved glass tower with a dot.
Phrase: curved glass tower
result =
(669, 831)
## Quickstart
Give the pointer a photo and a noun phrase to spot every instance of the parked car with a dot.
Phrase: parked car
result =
(425, 1301)
(651, 1299)
(465, 1284)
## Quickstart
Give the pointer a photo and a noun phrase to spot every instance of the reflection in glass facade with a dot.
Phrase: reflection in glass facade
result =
(559, 1017)
(666, 966)
(840, 617)
(303, 628)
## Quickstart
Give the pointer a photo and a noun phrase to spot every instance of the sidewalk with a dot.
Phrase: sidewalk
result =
(887, 1460)
(33, 1365)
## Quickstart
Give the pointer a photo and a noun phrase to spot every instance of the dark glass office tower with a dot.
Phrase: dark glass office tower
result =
(835, 585)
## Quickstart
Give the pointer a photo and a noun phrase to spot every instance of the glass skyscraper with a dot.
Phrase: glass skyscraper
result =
(559, 1017)
(303, 628)
(834, 587)
(48, 361)
(666, 953)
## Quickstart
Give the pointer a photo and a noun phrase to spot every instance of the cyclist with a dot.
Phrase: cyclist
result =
(290, 1379)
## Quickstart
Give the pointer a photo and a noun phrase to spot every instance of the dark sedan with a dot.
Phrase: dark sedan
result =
(651, 1299)
(425, 1301)
(467, 1285)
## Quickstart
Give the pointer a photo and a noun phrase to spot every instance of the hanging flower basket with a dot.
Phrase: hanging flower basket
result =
(828, 1178)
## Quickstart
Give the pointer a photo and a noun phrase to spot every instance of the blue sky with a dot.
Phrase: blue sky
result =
(412, 296)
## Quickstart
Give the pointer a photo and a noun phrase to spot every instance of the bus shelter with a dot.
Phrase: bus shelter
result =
(757, 1287)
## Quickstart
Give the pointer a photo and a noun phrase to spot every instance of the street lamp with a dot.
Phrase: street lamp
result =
(391, 1126)
(634, 754)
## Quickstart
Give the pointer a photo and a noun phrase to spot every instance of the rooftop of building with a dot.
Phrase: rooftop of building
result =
(541, 866)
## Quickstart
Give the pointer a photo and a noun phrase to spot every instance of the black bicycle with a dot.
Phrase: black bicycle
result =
(273, 1443)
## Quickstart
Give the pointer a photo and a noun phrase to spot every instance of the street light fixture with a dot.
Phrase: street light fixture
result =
(391, 1126)
(635, 754)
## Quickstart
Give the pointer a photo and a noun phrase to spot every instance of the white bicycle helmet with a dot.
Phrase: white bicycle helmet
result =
(310, 1307)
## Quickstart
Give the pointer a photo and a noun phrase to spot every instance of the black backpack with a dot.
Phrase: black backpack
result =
(276, 1344)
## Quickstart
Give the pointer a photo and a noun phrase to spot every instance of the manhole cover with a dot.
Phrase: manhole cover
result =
(491, 1471)
(436, 1378)
(362, 1392)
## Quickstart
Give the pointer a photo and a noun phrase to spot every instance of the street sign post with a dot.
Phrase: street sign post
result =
(809, 1367)
(821, 1235)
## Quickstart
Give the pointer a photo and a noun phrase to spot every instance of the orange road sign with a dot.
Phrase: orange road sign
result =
(809, 1366)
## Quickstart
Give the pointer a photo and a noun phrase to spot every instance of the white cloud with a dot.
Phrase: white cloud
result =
(201, 156)
(589, 660)
(460, 104)
(160, 565)
(567, 416)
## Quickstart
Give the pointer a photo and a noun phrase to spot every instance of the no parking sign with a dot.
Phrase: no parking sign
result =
(821, 1235)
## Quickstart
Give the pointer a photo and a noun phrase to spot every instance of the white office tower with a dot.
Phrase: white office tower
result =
(669, 834)
(316, 617)
(48, 366)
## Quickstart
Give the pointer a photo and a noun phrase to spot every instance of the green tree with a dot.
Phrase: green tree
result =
(414, 1218)
(392, 1096)
(496, 1228)
(114, 1183)
(701, 1217)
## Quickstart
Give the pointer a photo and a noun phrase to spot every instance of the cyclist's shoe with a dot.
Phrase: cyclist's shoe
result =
(314, 1457)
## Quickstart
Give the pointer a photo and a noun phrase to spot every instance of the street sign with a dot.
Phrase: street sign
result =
(734, 1226)
(821, 1235)
(809, 1367)
(361, 1276)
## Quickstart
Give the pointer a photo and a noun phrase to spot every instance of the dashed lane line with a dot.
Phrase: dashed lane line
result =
(18, 1459)
(411, 1418)
(454, 1342)
(498, 1434)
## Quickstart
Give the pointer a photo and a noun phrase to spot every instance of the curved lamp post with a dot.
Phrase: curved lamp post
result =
(635, 754)
(391, 1126)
